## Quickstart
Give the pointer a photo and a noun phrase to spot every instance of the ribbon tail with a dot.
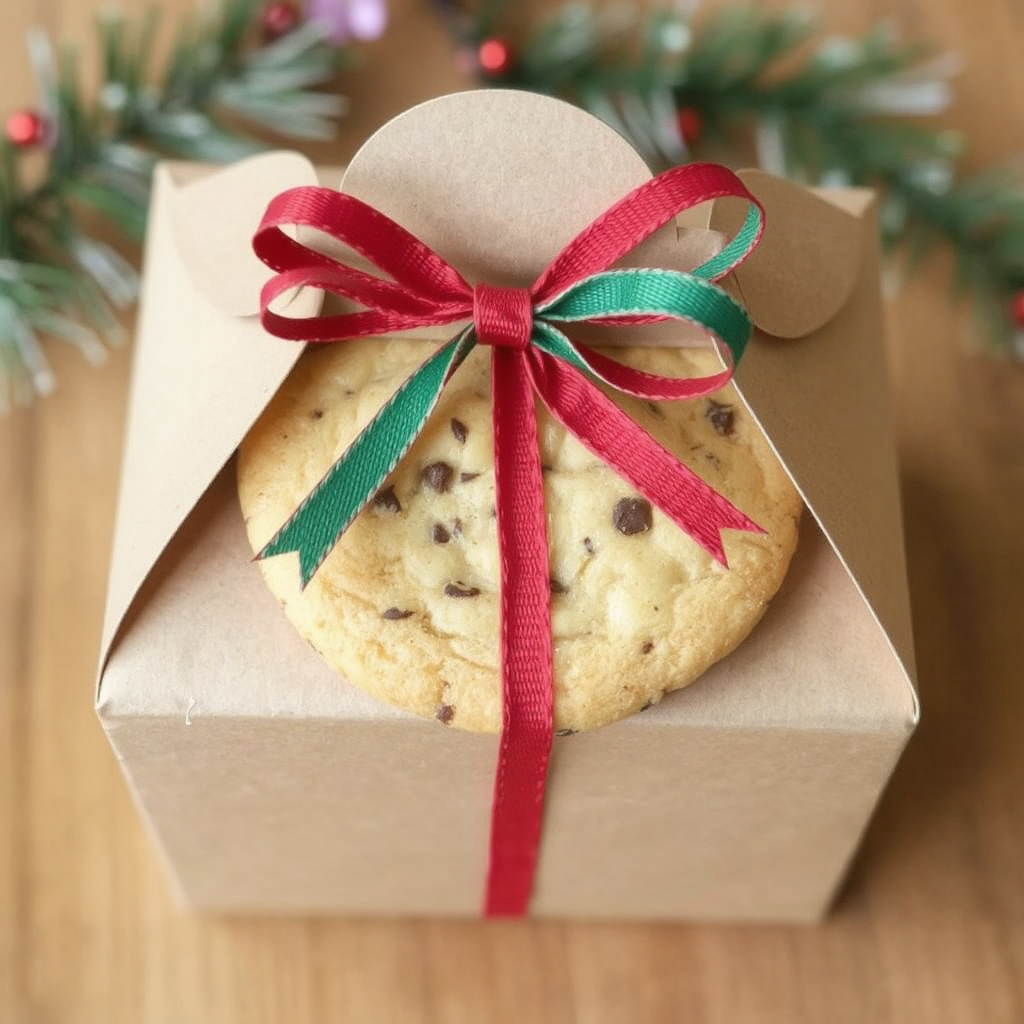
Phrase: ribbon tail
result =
(328, 510)
(526, 645)
(602, 427)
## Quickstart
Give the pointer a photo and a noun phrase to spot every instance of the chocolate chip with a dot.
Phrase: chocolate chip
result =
(460, 590)
(566, 732)
(588, 545)
(558, 588)
(720, 416)
(460, 431)
(631, 515)
(466, 477)
(647, 647)
(387, 500)
(445, 713)
(457, 528)
(440, 535)
(317, 414)
(393, 614)
(437, 476)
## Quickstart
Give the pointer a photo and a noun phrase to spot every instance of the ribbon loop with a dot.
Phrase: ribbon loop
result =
(503, 316)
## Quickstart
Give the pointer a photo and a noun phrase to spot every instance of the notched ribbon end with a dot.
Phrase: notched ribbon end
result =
(742, 524)
(308, 563)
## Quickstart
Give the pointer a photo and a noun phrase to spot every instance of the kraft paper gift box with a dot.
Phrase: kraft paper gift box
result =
(271, 784)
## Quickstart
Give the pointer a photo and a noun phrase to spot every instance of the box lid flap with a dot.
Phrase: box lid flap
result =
(202, 374)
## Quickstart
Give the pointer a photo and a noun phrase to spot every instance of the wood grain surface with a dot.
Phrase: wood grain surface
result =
(930, 926)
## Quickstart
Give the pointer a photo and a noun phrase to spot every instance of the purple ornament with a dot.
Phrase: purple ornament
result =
(349, 19)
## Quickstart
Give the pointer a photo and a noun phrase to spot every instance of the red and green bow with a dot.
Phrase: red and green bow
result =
(530, 355)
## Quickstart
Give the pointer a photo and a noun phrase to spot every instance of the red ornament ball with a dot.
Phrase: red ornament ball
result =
(277, 19)
(691, 124)
(1017, 309)
(27, 128)
(494, 57)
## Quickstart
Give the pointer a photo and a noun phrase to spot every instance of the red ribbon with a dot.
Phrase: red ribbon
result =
(425, 291)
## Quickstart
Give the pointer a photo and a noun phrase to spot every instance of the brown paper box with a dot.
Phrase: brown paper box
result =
(270, 784)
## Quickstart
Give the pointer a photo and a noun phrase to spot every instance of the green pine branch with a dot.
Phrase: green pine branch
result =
(56, 279)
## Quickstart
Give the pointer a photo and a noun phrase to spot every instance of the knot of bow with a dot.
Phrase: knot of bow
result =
(530, 355)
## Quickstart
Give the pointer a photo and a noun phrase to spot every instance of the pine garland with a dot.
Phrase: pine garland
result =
(823, 111)
(56, 278)
(820, 110)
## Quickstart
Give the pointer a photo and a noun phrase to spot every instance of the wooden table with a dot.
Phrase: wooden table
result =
(929, 928)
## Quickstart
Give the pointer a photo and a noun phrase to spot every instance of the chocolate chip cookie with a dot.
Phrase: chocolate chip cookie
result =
(406, 606)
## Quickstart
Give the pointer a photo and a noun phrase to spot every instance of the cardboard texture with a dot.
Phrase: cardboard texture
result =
(272, 785)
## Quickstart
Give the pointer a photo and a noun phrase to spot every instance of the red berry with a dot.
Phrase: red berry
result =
(494, 57)
(27, 128)
(277, 19)
(691, 124)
